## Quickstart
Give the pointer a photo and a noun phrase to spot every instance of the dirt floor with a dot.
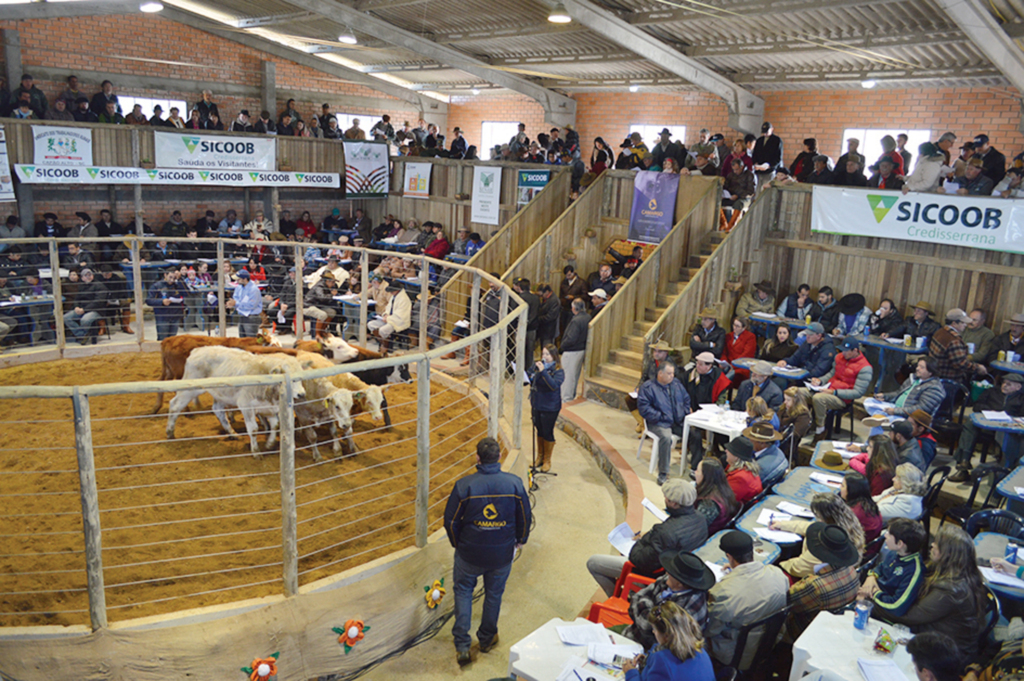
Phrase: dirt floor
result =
(196, 521)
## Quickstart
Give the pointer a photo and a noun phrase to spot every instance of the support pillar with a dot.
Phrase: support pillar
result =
(268, 87)
(90, 511)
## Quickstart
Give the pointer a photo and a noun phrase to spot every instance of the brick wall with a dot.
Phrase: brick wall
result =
(470, 113)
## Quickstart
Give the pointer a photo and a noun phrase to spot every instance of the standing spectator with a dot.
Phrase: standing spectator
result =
(11, 230)
(548, 315)
(383, 131)
(71, 93)
(481, 549)
(571, 288)
(168, 302)
(247, 302)
(666, 148)
(739, 151)
(174, 120)
(103, 97)
(803, 164)
(458, 147)
(574, 343)
(993, 161)
(767, 154)
(289, 110)
(928, 174)
(355, 132)
(156, 120)
(738, 189)
(37, 100)
(205, 107)
(331, 131)
(889, 151)
(901, 146)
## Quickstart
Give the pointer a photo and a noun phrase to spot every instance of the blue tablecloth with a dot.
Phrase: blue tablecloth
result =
(799, 486)
(819, 451)
(797, 375)
(991, 545)
(764, 550)
(748, 521)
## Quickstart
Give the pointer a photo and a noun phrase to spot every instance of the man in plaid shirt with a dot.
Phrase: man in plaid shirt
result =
(833, 586)
(947, 348)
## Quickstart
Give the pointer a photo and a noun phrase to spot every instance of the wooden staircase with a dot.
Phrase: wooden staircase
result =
(621, 373)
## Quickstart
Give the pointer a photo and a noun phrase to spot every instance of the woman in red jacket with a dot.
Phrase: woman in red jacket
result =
(743, 474)
(440, 246)
(741, 342)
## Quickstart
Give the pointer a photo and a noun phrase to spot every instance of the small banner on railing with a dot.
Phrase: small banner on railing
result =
(213, 152)
(654, 206)
(531, 182)
(32, 174)
(6, 182)
(53, 146)
(417, 180)
(366, 169)
(486, 206)
(992, 224)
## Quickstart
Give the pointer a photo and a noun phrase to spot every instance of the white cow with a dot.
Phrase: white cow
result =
(252, 401)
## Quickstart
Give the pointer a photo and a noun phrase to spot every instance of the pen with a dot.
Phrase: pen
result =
(577, 675)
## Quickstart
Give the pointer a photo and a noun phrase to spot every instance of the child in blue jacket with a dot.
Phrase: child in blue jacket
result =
(894, 583)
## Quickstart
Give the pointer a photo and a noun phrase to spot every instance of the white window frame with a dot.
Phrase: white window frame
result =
(495, 132)
(649, 133)
(871, 146)
(128, 103)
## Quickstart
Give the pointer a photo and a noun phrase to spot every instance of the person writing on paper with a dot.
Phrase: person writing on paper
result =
(922, 391)
(849, 379)
(684, 530)
(894, 583)
(679, 655)
(904, 498)
(832, 586)
(953, 597)
(685, 583)
(1009, 398)
(815, 355)
(664, 404)
(749, 592)
(742, 472)
(546, 378)
(829, 509)
(715, 499)
(878, 464)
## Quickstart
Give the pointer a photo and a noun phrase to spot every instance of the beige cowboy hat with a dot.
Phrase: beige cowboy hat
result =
(708, 312)
(1015, 319)
(833, 461)
(661, 345)
(762, 431)
(924, 305)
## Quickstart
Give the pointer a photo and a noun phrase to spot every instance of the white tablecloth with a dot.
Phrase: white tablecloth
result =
(831, 643)
(541, 655)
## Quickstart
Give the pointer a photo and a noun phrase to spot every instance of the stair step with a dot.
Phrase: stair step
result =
(697, 261)
(654, 314)
(633, 343)
(622, 374)
(716, 237)
(666, 300)
(641, 327)
(613, 384)
(628, 359)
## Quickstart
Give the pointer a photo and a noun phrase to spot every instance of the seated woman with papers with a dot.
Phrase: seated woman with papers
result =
(680, 655)
(831, 510)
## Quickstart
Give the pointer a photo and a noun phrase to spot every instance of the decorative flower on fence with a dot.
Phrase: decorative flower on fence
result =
(434, 593)
(351, 634)
(262, 669)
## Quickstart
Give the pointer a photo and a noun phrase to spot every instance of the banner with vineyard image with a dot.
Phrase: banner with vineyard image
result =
(366, 169)
(55, 146)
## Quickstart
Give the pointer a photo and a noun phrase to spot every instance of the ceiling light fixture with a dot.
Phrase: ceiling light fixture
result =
(868, 84)
(559, 15)
(634, 88)
(151, 7)
(347, 38)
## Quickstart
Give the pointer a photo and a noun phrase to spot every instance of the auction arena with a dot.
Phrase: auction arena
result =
(197, 521)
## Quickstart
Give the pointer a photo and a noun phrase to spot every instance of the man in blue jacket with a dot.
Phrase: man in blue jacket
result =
(663, 404)
(487, 518)
(816, 354)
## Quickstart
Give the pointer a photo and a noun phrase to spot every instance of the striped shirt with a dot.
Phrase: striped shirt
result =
(829, 589)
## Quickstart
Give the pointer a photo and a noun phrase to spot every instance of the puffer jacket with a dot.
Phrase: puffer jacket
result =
(685, 530)
(850, 378)
(661, 405)
(816, 359)
(487, 514)
(926, 395)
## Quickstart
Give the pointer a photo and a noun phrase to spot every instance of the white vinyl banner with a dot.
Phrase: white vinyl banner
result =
(417, 180)
(993, 224)
(213, 152)
(30, 174)
(486, 206)
(6, 183)
(54, 146)
(366, 169)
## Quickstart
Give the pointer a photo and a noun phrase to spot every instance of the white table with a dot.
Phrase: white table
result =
(725, 422)
(541, 655)
(831, 643)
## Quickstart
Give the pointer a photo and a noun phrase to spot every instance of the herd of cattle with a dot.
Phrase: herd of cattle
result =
(330, 401)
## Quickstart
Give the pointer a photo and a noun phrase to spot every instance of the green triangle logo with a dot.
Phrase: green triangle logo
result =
(881, 205)
(191, 143)
(93, 172)
(152, 173)
(29, 170)
(300, 176)
(254, 176)
(205, 174)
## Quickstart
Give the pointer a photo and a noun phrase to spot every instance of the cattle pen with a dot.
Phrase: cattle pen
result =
(110, 529)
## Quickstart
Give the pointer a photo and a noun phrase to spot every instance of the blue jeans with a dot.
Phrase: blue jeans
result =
(80, 325)
(464, 576)
(167, 325)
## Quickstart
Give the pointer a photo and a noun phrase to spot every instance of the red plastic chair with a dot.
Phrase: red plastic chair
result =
(615, 610)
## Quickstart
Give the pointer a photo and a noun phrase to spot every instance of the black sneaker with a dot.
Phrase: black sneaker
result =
(662, 479)
(489, 646)
(463, 657)
(961, 475)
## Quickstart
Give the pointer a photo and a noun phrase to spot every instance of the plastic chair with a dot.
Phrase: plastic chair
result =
(787, 444)
(769, 627)
(834, 418)
(942, 471)
(993, 612)
(948, 422)
(931, 497)
(962, 512)
(997, 520)
(654, 449)
(615, 610)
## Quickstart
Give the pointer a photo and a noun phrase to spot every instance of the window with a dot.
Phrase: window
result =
(496, 132)
(128, 103)
(871, 142)
(345, 121)
(649, 133)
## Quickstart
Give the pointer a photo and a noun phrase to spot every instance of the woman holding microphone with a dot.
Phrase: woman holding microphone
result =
(546, 377)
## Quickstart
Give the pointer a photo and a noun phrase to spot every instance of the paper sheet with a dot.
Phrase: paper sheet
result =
(767, 516)
(622, 538)
(655, 511)
(873, 403)
(830, 480)
(999, 578)
(788, 370)
(884, 669)
(719, 570)
(817, 388)
(579, 669)
(582, 634)
(763, 315)
(996, 415)
(462, 324)
(795, 509)
(895, 341)
(777, 536)
(634, 395)
(1019, 491)
(951, 187)
(605, 653)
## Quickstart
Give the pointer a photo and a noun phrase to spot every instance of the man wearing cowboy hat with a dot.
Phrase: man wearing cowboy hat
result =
(922, 423)
(1010, 340)
(666, 148)
(1008, 397)
(833, 586)
(706, 335)
(761, 299)
(664, 404)
(770, 459)
(749, 592)
(849, 379)
(949, 351)
(853, 315)
(758, 385)
(686, 582)
(919, 324)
